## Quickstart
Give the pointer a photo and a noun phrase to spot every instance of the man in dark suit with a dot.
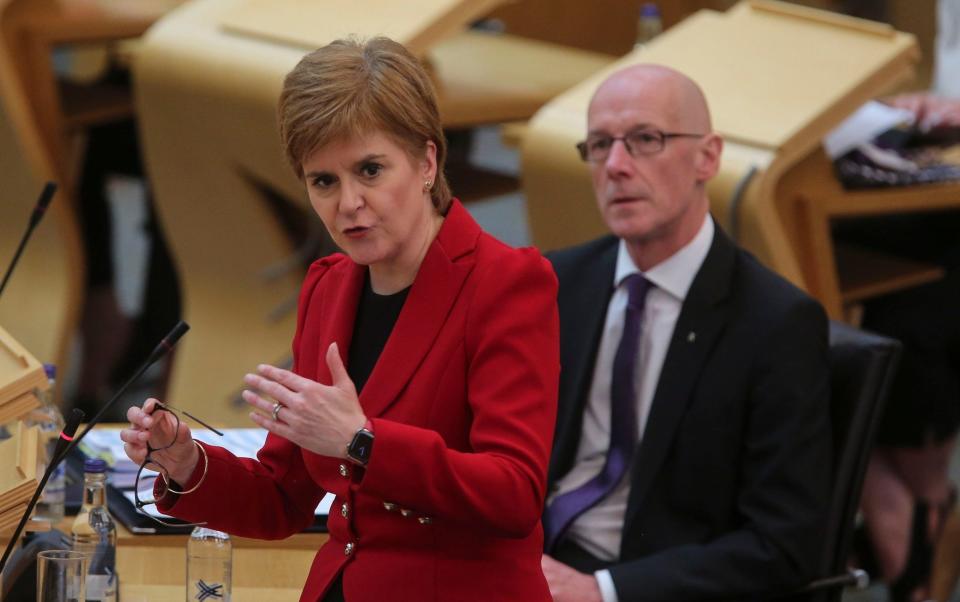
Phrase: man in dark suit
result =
(692, 453)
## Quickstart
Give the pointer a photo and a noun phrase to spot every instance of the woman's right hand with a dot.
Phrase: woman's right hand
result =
(159, 427)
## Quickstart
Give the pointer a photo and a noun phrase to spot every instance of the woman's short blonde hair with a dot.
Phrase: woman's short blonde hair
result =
(351, 88)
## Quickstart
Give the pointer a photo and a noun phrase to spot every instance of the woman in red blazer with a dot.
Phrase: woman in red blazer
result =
(439, 464)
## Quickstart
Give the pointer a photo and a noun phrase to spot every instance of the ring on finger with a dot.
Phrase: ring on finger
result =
(276, 411)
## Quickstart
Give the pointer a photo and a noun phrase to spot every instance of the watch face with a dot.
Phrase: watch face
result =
(361, 446)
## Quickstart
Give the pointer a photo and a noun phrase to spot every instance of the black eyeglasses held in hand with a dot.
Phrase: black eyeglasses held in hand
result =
(146, 483)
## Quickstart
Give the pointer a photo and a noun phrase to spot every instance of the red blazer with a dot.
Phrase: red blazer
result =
(463, 403)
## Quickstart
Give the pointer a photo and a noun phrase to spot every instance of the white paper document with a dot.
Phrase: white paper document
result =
(864, 125)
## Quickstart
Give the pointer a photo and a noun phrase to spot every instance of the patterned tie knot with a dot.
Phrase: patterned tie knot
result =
(637, 289)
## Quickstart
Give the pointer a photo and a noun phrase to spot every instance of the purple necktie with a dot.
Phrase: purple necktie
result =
(623, 424)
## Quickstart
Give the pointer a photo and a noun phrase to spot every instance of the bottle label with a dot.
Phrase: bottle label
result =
(207, 591)
(101, 588)
(54, 491)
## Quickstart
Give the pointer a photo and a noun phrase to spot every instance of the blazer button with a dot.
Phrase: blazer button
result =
(344, 471)
(424, 520)
(406, 512)
(389, 506)
(345, 510)
(348, 549)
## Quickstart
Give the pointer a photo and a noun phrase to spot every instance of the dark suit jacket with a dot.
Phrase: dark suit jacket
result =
(462, 401)
(730, 482)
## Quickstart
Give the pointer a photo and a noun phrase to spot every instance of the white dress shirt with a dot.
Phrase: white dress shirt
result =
(946, 74)
(599, 529)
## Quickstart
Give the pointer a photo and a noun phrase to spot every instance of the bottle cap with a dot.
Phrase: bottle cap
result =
(51, 371)
(649, 9)
(95, 465)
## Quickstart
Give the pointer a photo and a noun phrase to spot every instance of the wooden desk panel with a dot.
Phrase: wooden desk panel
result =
(151, 565)
(309, 24)
(810, 198)
(175, 593)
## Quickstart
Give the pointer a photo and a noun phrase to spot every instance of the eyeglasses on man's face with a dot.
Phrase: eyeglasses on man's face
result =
(639, 142)
(145, 493)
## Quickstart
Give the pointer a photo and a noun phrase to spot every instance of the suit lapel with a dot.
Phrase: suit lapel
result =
(704, 314)
(338, 313)
(439, 280)
(583, 310)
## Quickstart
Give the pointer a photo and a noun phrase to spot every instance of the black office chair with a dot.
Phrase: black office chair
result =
(862, 366)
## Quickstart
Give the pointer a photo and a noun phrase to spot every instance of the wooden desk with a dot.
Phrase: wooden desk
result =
(175, 593)
(810, 198)
(153, 567)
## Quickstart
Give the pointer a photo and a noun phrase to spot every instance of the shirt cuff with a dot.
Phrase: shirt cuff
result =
(607, 590)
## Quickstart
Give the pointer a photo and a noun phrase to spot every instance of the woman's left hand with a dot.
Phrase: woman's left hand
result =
(320, 418)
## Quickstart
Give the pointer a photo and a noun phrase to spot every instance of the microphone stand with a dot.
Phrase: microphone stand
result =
(67, 442)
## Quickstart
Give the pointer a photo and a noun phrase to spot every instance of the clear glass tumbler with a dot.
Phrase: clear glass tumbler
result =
(61, 576)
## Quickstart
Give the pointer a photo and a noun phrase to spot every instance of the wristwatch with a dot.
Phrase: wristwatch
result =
(362, 445)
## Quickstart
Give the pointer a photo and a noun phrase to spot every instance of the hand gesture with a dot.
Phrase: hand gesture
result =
(320, 418)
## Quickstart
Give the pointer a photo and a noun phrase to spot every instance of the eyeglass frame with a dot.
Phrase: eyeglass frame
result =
(161, 474)
(662, 136)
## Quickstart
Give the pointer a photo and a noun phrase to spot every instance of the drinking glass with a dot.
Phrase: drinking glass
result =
(61, 576)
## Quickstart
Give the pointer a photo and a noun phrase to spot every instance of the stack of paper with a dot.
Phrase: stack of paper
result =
(18, 474)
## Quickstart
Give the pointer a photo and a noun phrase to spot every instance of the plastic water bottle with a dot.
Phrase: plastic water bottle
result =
(50, 421)
(95, 534)
(649, 25)
(209, 565)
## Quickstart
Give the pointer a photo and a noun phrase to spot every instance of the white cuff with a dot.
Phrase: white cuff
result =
(607, 590)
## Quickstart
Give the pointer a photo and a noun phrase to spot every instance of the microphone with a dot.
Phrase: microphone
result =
(67, 439)
(163, 347)
(167, 342)
(42, 203)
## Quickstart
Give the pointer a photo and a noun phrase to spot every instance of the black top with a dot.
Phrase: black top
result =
(376, 315)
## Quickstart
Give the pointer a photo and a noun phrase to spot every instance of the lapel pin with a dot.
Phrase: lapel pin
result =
(691, 337)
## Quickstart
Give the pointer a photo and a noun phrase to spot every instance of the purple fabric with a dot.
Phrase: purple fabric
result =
(623, 424)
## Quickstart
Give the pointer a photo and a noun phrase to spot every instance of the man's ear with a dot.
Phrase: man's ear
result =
(708, 157)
